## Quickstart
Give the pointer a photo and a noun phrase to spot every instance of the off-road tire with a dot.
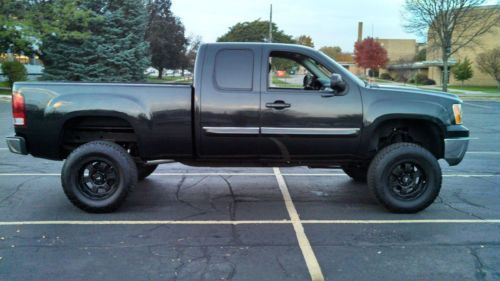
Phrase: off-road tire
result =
(387, 165)
(75, 176)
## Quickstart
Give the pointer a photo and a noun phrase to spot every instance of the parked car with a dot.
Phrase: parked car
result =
(113, 134)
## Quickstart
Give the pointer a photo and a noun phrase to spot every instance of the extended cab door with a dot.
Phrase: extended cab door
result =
(227, 101)
(300, 116)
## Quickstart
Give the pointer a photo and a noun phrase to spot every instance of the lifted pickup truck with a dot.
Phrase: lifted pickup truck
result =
(250, 104)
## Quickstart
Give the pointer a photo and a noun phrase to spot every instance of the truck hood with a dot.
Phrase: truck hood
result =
(415, 90)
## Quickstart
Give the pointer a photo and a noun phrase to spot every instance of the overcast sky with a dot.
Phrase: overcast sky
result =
(328, 22)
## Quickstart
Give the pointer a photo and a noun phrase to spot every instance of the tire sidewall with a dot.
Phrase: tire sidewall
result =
(126, 174)
(382, 168)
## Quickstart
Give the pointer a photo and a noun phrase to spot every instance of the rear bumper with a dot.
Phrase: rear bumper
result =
(17, 145)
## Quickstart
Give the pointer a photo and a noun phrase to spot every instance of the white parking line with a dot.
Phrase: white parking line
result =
(244, 174)
(230, 222)
(480, 106)
(305, 246)
(483, 152)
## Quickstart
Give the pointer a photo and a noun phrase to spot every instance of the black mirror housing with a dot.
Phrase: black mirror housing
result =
(337, 83)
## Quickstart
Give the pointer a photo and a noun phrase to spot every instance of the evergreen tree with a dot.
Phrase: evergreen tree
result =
(165, 34)
(255, 31)
(463, 71)
(114, 51)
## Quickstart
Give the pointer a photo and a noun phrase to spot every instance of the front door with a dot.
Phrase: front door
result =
(300, 116)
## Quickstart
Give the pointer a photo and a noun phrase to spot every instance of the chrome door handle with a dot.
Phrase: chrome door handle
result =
(279, 104)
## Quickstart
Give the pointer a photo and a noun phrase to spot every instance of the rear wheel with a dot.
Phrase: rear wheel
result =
(98, 175)
(143, 171)
(405, 177)
(356, 171)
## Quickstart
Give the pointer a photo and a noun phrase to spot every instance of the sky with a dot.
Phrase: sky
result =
(328, 22)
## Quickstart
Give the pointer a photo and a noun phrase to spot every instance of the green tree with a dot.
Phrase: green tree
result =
(255, 31)
(331, 51)
(165, 34)
(489, 63)
(463, 71)
(110, 48)
(14, 33)
(421, 55)
(305, 40)
(189, 57)
(15, 71)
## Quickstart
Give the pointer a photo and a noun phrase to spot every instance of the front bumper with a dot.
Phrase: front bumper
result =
(17, 145)
(454, 150)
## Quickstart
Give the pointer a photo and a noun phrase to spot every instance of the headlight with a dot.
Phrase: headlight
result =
(457, 111)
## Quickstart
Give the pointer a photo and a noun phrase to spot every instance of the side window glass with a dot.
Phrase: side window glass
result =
(286, 73)
(294, 71)
(234, 69)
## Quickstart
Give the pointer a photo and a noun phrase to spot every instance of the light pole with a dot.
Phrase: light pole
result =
(271, 24)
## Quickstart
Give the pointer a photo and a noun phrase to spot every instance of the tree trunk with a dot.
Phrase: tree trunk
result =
(445, 73)
(160, 73)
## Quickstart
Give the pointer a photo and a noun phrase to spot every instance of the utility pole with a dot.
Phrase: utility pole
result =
(271, 24)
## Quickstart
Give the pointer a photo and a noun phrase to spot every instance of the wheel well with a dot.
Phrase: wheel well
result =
(422, 132)
(80, 130)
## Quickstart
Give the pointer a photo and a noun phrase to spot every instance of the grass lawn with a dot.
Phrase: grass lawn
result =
(486, 89)
(170, 79)
(5, 92)
(283, 84)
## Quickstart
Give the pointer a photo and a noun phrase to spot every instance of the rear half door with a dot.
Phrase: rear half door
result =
(230, 102)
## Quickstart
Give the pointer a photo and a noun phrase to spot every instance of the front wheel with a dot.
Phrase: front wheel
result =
(98, 175)
(405, 177)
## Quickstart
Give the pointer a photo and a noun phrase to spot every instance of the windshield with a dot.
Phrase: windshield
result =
(344, 71)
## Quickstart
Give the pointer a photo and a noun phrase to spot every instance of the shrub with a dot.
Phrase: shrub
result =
(15, 71)
(385, 76)
(422, 79)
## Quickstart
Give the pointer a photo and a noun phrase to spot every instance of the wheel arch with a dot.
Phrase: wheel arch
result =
(426, 131)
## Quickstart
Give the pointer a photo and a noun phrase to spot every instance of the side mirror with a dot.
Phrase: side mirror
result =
(337, 83)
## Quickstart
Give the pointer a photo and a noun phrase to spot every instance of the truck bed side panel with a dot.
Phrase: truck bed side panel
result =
(159, 114)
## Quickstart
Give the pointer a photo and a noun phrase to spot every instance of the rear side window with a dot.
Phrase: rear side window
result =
(234, 69)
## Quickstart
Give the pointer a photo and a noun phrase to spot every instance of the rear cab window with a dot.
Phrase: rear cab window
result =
(234, 69)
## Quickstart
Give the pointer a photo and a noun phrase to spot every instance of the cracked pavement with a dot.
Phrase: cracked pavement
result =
(437, 251)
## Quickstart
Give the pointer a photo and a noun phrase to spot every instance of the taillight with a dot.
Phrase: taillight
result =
(18, 109)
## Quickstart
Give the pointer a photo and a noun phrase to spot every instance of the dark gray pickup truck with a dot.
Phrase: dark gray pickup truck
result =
(250, 105)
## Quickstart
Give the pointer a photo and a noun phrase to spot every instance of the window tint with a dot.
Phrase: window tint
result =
(234, 69)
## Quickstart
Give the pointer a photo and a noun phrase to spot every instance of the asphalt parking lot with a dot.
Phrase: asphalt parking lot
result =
(187, 223)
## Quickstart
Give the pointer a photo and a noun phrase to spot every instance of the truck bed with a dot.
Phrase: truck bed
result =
(159, 114)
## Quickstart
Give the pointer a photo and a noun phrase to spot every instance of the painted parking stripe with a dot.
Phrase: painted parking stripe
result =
(483, 152)
(245, 174)
(230, 222)
(480, 106)
(304, 244)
